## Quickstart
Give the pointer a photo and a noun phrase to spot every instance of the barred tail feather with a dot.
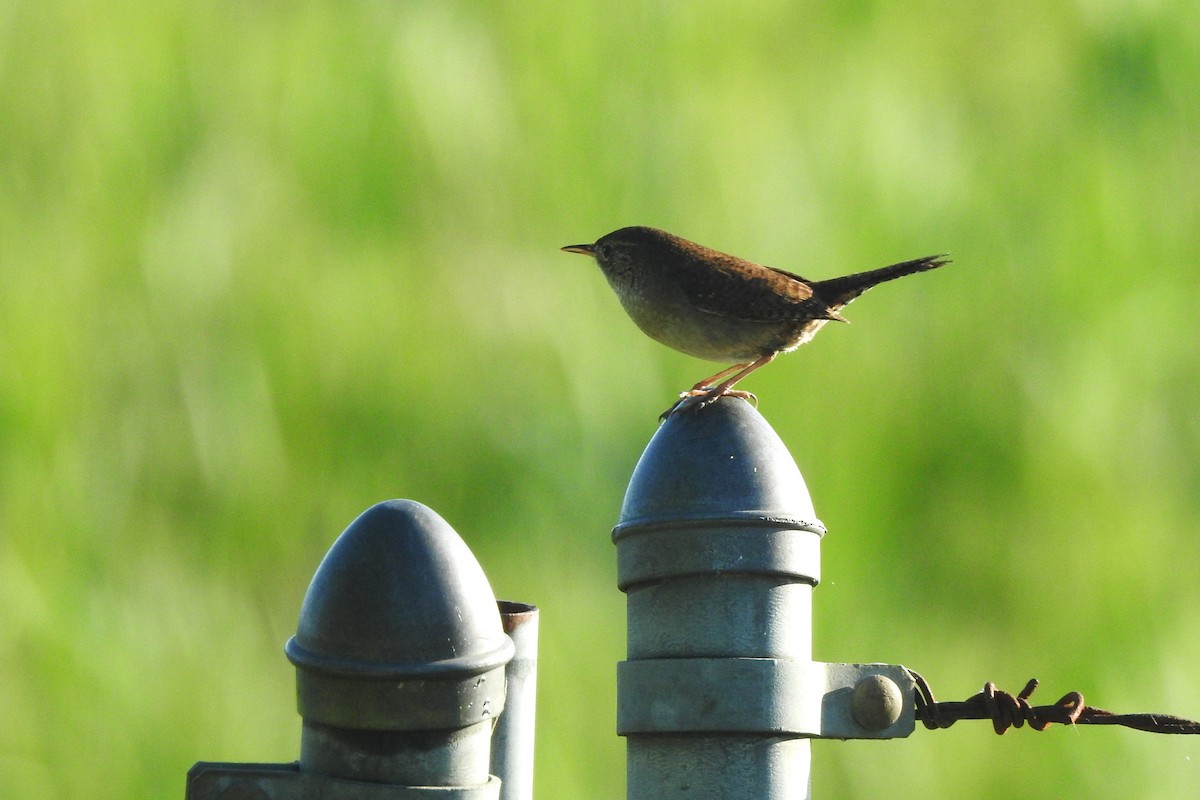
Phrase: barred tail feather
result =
(837, 292)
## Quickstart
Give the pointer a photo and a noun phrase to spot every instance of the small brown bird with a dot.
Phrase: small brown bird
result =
(722, 308)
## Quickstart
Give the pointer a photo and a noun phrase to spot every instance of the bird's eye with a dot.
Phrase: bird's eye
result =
(605, 250)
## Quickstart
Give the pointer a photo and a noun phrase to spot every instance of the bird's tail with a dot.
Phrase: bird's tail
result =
(837, 292)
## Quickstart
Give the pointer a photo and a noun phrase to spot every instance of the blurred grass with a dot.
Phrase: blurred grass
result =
(262, 265)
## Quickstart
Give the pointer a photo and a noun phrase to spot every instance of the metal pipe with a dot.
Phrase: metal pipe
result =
(512, 741)
(718, 551)
(399, 655)
(400, 672)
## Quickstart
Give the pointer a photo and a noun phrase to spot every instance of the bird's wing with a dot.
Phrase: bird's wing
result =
(721, 291)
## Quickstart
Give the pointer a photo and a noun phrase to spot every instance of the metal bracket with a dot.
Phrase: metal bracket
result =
(745, 695)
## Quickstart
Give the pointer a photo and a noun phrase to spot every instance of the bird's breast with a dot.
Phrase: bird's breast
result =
(665, 315)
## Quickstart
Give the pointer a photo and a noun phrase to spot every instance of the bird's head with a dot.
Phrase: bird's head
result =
(627, 250)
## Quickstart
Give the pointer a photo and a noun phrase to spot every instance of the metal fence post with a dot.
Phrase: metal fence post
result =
(512, 742)
(718, 551)
(400, 672)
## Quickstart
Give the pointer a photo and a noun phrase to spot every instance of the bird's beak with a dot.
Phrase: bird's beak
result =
(582, 249)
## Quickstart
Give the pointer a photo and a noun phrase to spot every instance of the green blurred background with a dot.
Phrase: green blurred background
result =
(264, 264)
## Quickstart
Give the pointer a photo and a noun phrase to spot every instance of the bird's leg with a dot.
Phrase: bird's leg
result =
(711, 380)
(725, 388)
(694, 396)
(704, 393)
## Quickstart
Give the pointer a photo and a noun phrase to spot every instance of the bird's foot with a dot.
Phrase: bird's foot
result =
(703, 396)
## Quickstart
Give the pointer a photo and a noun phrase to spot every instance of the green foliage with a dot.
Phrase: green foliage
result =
(265, 264)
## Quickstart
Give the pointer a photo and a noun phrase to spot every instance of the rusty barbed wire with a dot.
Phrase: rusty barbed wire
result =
(1006, 711)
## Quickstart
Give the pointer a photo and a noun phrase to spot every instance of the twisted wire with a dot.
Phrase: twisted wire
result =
(1014, 711)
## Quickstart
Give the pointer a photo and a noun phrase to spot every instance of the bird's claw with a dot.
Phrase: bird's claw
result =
(701, 397)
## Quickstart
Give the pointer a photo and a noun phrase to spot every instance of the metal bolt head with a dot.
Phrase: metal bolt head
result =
(876, 702)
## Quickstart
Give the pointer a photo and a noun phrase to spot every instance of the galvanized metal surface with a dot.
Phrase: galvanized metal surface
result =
(513, 739)
(718, 767)
(715, 695)
(718, 552)
(399, 654)
(438, 757)
(731, 615)
(864, 701)
(397, 624)
(400, 658)
(704, 547)
(721, 464)
(764, 695)
(210, 781)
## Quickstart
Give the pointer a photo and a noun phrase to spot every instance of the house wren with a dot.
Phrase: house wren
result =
(722, 308)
